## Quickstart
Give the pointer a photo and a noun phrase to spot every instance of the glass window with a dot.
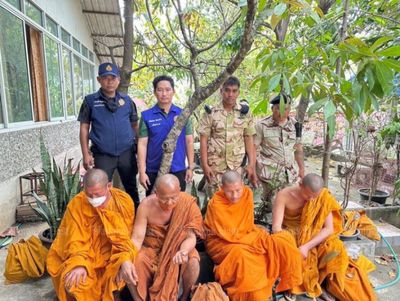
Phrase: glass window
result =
(53, 78)
(66, 54)
(92, 78)
(65, 36)
(91, 56)
(15, 3)
(76, 45)
(51, 26)
(87, 82)
(78, 84)
(85, 52)
(15, 68)
(33, 12)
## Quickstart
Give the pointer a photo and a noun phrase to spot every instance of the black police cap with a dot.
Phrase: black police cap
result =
(276, 99)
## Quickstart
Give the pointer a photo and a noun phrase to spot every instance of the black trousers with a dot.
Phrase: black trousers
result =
(127, 168)
(179, 174)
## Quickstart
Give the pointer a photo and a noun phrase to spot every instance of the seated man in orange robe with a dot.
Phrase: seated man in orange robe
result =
(93, 242)
(165, 231)
(248, 259)
(312, 215)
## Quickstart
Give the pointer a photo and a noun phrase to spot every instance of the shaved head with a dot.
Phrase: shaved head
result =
(313, 181)
(95, 176)
(167, 181)
(231, 177)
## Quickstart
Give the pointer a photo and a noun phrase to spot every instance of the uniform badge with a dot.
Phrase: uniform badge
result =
(121, 102)
(108, 68)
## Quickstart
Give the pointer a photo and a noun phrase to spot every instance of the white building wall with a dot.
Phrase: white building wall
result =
(68, 14)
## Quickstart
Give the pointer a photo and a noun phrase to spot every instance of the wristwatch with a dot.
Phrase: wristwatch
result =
(191, 167)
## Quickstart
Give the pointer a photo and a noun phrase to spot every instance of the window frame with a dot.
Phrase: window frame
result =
(27, 21)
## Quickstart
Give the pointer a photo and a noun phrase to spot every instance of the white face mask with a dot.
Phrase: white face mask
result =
(96, 202)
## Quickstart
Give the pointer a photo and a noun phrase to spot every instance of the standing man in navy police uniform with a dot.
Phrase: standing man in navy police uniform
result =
(109, 119)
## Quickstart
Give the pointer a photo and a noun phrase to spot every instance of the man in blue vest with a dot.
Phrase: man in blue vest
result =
(109, 120)
(155, 125)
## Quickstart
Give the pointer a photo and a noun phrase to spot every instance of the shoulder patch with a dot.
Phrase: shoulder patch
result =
(208, 109)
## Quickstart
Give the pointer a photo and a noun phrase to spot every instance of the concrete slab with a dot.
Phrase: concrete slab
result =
(360, 246)
(354, 206)
(390, 232)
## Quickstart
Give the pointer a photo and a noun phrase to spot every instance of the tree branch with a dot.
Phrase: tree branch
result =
(182, 26)
(223, 33)
(159, 36)
(173, 32)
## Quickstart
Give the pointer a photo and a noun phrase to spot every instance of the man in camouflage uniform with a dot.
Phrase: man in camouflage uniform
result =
(226, 135)
(277, 148)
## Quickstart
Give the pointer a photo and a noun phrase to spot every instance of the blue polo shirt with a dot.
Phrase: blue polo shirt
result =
(158, 125)
(111, 131)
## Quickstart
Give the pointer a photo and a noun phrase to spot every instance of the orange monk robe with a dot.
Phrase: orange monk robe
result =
(248, 259)
(329, 260)
(158, 275)
(97, 239)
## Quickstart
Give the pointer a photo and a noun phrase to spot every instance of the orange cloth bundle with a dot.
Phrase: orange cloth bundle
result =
(211, 291)
(248, 259)
(25, 260)
(359, 220)
(357, 285)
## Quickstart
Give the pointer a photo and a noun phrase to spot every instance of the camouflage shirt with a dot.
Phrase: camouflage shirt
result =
(225, 132)
(275, 145)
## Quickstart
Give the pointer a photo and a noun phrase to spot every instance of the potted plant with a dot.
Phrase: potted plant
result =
(378, 141)
(59, 186)
(263, 207)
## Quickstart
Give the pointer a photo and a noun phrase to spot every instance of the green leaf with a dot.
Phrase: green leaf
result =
(375, 103)
(279, 9)
(316, 106)
(345, 86)
(286, 85)
(385, 76)
(391, 51)
(392, 64)
(370, 77)
(261, 108)
(315, 16)
(263, 86)
(329, 109)
(261, 5)
(331, 121)
(282, 105)
(274, 82)
(379, 42)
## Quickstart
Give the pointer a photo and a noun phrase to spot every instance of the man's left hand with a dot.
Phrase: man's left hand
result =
(304, 251)
(251, 175)
(127, 272)
(180, 257)
(189, 175)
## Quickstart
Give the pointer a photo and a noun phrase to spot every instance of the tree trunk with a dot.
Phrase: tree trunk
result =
(202, 93)
(303, 106)
(328, 141)
(125, 70)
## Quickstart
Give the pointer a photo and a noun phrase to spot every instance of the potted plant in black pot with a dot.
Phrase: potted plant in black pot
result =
(59, 187)
(378, 152)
